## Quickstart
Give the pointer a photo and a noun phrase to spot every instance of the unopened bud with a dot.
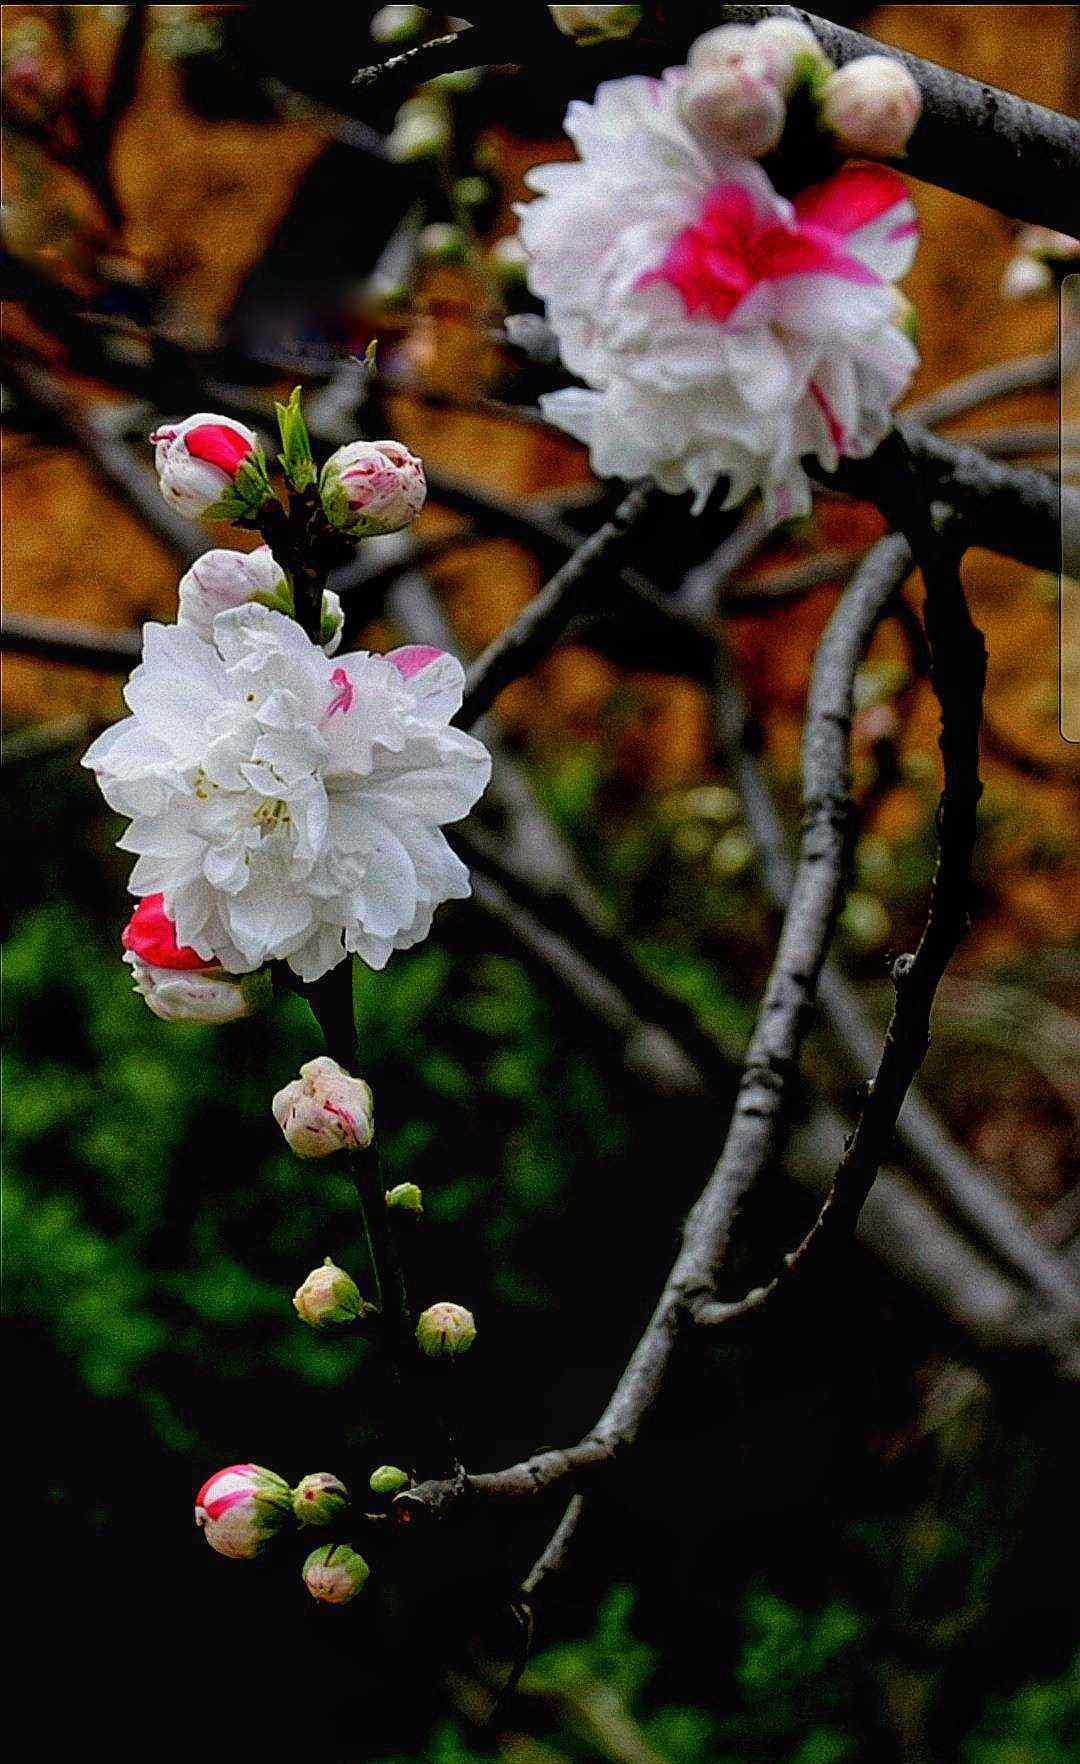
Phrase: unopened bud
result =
(372, 487)
(872, 106)
(222, 579)
(397, 24)
(441, 242)
(325, 1110)
(508, 261)
(329, 1298)
(198, 460)
(388, 1480)
(445, 1329)
(240, 1509)
(1025, 276)
(335, 1573)
(731, 97)
(791, 52)
(319, 1499)
(596, 24)
(179, 984)
(405, 1196)
(421, 131)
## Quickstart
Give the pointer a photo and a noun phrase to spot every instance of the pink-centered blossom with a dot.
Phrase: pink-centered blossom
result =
(241, 1508)
(197, 460)
(289, 807)
(722, 331)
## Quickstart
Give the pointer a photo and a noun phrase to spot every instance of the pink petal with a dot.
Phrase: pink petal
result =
(852, 198)
(218, 445)
(413, 658)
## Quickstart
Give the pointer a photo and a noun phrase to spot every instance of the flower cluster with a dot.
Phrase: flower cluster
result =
(722, 331)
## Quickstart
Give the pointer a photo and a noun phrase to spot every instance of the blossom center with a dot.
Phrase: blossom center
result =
(732, 248)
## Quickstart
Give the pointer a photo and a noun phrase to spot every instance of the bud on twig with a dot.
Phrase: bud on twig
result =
(210, 465)
(388, 1480)
(596, 24)
(406, 1197)
(180, 985)
(240, 1509)
(325, 1110)
(319, 1499)
(335, 1573)
(444, 1330)
(329, 1298)
(372, 487)
(871, 106)
(732, 96)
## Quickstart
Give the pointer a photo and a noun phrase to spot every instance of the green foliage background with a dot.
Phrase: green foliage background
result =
(802, 1576)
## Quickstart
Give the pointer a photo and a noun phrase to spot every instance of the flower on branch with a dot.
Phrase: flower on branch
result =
(240, 1509)
(722, 331)
(325, 1110)
(288, 807)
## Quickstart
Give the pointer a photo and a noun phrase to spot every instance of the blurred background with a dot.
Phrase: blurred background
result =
(866, 1549)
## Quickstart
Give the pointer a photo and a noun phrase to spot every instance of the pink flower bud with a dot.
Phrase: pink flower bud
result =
(872, 106)
(328, 1298)
(178, 995)
(319, 1499)
(445, 1329)
(241, 1508)
(371, 487)
(198, 459)
(731, 97)
(325, 1110)
(151, 935)
(335, 1573)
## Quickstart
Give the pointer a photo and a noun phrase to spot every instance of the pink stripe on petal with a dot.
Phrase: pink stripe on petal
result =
(852, 198)
(413, 658)
(836, 429)
(346, 692)
(904, 230)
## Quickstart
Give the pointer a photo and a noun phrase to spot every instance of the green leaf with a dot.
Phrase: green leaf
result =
(297, 459)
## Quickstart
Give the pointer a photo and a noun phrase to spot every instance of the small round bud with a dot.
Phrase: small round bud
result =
(197, 460)
(472, 192)
(372, 487)
(421, 131)
(872, 106)
(445, 1329)
(319, 1499)
(596, 24)
(731, 97)
(388, 1480)
(441, 242)
(329, 1298)
(508, 261)
(406, 1197)
(335, 1573)
(325, 1110)
(240, 1509)
(397, 24)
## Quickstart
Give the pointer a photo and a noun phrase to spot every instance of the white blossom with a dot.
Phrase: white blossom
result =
(289, 807)
(722, 332)
(222, 578)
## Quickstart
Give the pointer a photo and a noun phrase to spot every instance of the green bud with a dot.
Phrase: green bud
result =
(335, 1573)
(406, 1196)
(472, 192)
(444, 1330)
(388, 1479)
(319, 1499)
(398, 24)
(441, 242)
